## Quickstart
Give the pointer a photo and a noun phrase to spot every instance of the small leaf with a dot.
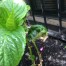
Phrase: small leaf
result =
(33, 57)
(36, 31)
(65, 47)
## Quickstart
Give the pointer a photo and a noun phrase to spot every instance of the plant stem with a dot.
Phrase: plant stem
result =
(40, 57)
(36, 47)
(33, 62)
(30, 51)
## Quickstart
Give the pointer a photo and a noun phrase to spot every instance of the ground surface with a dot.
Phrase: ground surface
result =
(54, 53)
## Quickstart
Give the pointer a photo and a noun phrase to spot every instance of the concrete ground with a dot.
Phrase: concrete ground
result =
(50, 20)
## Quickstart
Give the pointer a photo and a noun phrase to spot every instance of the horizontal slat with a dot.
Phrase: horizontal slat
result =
(49, 4)
(64, 4)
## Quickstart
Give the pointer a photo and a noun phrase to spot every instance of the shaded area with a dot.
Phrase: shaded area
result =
(54, 53)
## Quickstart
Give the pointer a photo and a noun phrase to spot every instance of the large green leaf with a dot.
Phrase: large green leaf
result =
(12, 35)
(18, 8)
(12, 46)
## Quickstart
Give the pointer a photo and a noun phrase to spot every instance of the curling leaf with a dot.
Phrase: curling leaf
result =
(36, 31)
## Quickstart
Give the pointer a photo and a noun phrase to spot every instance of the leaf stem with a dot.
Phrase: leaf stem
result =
(40, 57)
(30, 51)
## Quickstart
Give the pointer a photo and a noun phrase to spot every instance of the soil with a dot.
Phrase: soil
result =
(53, 53)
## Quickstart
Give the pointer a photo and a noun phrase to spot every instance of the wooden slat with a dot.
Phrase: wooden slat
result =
(65, 5)
(49, 4)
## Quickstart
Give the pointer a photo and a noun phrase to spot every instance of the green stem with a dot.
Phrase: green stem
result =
(33, 62)
(30, 51)
(36, 49)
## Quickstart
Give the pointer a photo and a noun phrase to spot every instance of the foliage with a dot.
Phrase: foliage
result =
(34, 33)
(12, 34)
